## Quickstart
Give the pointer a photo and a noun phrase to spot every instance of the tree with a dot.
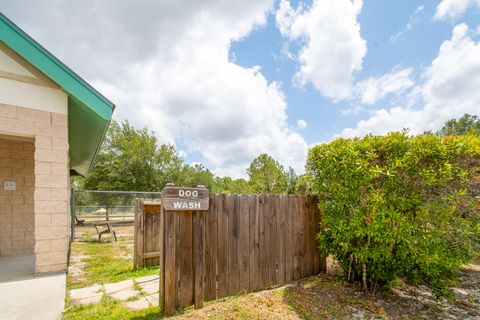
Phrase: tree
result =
(304, 184)
(267, 175)
(466, 124)
(194, 175)
(131, 159)
(292, 180)
(229, 185)
(169, 165)
(240, 186)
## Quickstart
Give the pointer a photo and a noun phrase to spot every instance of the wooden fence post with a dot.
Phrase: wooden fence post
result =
(169, 274)
(138, 234)
(199, 257)
(179, 228)
(161, 262)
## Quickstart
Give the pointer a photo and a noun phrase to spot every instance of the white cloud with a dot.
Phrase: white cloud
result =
(333, 48)
(302, 124)
(374, 89)
(166, 65)
(412, 23)
(453, 9)
(384, 121)
(449, 91)
(398, 84)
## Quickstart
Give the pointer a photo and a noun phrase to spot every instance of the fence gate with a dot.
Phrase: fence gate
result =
(240, 243)
(147, 233)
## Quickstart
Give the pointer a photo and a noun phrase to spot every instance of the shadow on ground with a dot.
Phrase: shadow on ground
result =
(328, 297)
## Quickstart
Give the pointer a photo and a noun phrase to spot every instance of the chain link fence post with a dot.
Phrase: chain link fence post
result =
(72, 215)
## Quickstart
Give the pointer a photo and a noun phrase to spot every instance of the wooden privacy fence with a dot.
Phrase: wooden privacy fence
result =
(242, 243)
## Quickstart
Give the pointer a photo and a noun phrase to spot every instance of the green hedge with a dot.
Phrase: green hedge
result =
(398, 206)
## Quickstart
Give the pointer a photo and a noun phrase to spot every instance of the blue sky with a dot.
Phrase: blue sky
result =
(380, 21)
(227, 80)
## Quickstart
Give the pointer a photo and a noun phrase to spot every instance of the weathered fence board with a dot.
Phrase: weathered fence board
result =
(242, 243)
(233, 271)
(289, 241)
(147, 233)
(271, 235)
(243, 249)
(199, 258)
(169, 263)
(185, 256)
(222, 247)
(254, 278)
(210, 272)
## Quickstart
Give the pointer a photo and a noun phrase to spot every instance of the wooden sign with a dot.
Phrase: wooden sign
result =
(185, 199)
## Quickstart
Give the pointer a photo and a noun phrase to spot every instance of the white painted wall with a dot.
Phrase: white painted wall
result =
(7, 64)
(18, 91)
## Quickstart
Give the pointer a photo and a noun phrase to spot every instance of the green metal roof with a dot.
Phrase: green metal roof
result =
(89, 113)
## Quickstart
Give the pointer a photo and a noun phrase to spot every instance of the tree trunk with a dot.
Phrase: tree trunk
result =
(350, 267)
(364, 275)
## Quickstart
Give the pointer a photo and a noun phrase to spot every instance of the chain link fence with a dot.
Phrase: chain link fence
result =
(93, 207)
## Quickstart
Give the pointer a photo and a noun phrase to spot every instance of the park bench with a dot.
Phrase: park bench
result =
(103, 228)
(79, 222)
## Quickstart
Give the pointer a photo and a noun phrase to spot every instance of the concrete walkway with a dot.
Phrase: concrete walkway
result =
(135, 294)
(17, 267)
(39, 298)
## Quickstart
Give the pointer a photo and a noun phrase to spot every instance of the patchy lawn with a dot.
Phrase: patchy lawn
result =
(320, 297)
(102, 262)
(261, 305)
(325, 296)
(109, 309)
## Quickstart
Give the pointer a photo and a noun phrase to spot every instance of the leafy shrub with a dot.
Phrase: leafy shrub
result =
(398, 206)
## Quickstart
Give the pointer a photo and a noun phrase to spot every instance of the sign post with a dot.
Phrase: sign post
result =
(185, 199)
(174, 201)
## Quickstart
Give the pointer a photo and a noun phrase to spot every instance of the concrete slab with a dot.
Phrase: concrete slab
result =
(17, 268)
(147, 279)
(34, 298)
(153, 286)
(124, 294)
(139, 304)
(122, 290)
(153, 299)
(118, 286)
(88, 295)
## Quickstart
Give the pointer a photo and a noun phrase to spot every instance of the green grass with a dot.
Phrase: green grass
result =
(109, 309)
(106, 262)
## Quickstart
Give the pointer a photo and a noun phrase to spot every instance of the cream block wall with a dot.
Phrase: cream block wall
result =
(17, 218)
(32, 107)
(50, 180)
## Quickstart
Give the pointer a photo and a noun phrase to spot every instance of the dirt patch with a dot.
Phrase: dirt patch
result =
(76, 267)
(327, 297)
(89, 231)
(266, 304)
